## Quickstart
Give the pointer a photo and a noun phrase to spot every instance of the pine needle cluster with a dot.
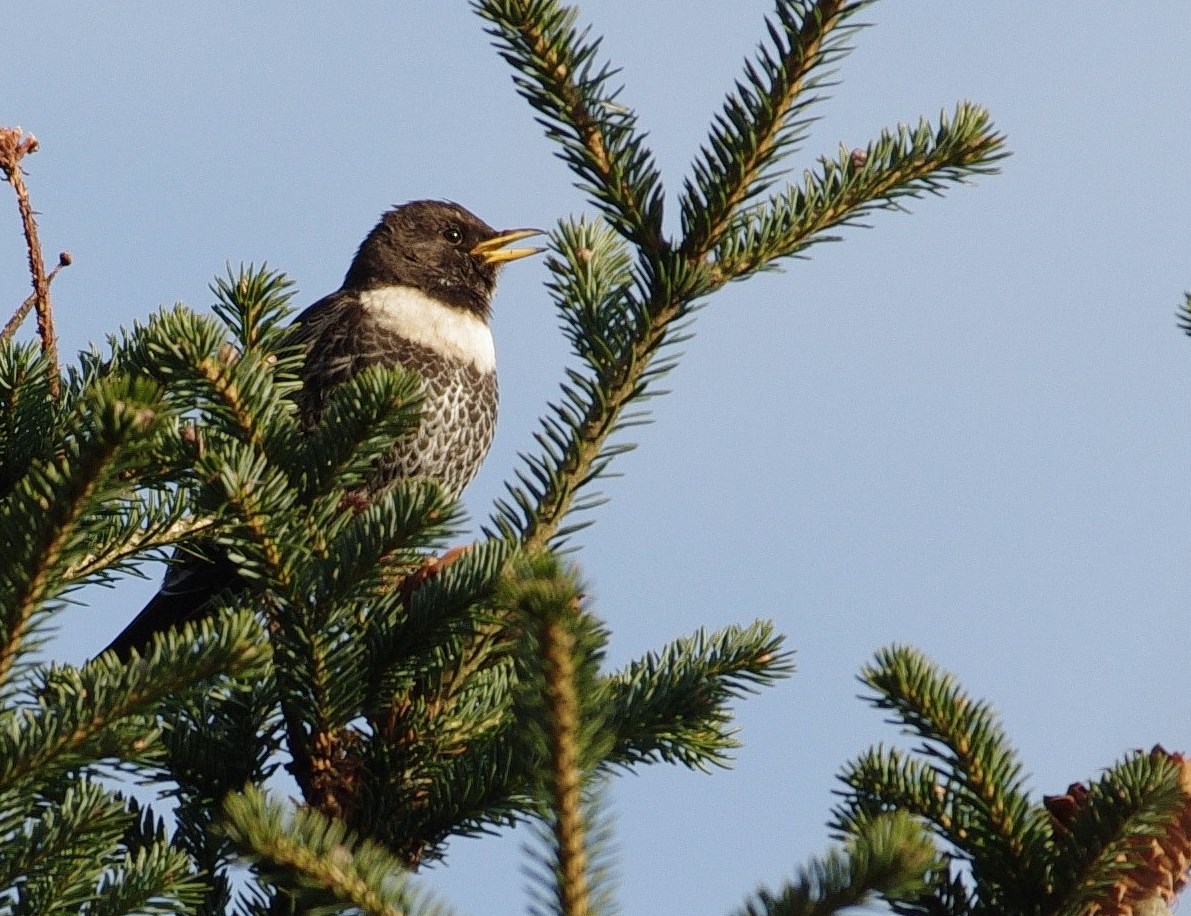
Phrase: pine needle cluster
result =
(1119, 845)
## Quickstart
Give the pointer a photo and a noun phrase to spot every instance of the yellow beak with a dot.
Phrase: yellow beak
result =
(492, 250)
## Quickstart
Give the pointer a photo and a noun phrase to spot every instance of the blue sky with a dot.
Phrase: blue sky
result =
(961, 429)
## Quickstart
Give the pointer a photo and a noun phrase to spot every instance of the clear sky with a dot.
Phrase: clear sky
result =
(961, 429)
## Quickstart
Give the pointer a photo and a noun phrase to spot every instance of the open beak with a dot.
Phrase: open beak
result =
(492, 250)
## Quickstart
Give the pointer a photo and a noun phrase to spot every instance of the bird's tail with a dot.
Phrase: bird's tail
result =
(185, 595)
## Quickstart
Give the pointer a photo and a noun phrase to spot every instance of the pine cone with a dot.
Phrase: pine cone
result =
(1161, 872)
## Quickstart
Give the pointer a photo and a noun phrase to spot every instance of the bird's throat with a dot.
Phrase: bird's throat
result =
(451, 332)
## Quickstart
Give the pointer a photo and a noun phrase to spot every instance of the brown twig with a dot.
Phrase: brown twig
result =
(15, 145)
(64, 260)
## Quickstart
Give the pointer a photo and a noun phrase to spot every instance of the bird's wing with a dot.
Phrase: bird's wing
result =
(314, 320)
(192, 581)
(325, 330)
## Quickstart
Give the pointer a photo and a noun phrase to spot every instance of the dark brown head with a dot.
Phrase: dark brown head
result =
(440, 248)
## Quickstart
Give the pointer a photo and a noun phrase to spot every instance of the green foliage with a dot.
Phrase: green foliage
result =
(558, 71)
(1133, 801)
(891, 857)
(673, 706)
(902, 163)
(83, 849)
(767, 117)
(84, 495)
(1005, 853)
(591, 287)
(564, 727)
(322, 867)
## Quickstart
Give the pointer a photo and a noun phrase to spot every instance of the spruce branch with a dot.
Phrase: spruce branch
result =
(15, 145)
(157, 880)
(903, 162)
(558, 669)
(891, 858)
(590, 285)
(1125, 838)
(216, 742)
(965, 739)
(363, 417)
(48, 860)
(558, 662)
(1109, 849)
(884, 779)
(765, 119)
(254, 303)
(315, 861)
(673, 705)
(45, 522)
(560, 76)
(29, 418)
(160, 521)
(644, 295)
(81, 712)
(88, 850)
(1184, 314)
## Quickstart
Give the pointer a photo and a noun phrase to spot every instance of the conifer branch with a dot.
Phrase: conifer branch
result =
(591, 288)
(558, 644)
(48, 513)
(560, 702)
(1120, 844)
(314, 860)
(254, 304)
(373, 409)
(965, 737)
(85, 816)
(1124, 838)
(157, 880)
(642, 306)
(29, 416)
(885, 778)
(66, 490)
(135, 534)
(82, 710)
(890, 858)
(598, 136)
(673, 705)
(905, 162)
(761, 122)
(559, 714)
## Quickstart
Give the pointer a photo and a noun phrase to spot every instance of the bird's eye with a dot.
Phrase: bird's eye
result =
(453, 234)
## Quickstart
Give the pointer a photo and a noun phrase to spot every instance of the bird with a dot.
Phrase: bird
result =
(418, 294)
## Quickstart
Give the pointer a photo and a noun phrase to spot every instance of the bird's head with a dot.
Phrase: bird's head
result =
(440, 248)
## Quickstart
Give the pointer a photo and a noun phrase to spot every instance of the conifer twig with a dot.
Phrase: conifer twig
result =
(319, 862)
(759, 121)
(558, 665)
(15, 144)
(19, 316)
(965, 737)
(598, 136)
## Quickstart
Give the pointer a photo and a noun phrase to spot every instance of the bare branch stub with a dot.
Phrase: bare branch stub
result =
(15, 145)
(64, 260)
